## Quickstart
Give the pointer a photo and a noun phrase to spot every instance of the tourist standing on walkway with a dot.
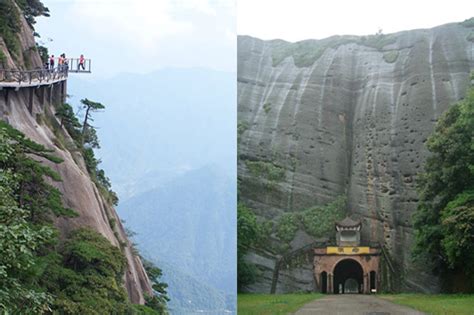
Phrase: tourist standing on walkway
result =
(51, 62)
(65, 63)
(60, 62)
(81, 63)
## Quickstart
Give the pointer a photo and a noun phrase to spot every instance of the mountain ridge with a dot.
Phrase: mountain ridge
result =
(352, 35)
(197, 237)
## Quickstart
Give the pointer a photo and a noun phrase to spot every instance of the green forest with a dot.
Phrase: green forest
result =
(41, 271)
(445, 217)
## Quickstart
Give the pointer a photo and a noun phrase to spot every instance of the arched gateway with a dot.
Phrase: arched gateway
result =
(347, 267)
(348, 277)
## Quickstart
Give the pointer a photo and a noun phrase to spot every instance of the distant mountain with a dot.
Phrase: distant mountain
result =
(167, 121)
(168, 145)
(194, 225)
(191, 296)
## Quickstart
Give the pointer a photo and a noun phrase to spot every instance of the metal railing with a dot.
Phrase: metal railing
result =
(45, 75)
(31, 76)
(75, 65)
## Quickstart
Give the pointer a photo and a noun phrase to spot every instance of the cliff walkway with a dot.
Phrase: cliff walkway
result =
(39, 77)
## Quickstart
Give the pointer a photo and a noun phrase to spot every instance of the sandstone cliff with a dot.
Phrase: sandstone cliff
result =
(346, 115)
(79, 191)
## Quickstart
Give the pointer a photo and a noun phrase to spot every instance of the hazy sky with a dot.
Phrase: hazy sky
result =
(143, 35)
(294, 20)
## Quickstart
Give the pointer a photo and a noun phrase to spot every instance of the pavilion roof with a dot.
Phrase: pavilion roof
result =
(348, 222)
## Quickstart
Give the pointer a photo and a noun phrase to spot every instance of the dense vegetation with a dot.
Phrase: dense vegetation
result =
(32, 9)
(445, 217)
(247, 235)
(317, 221)
(82, 273)
(37, 274)
(10, 23)
(159, 300)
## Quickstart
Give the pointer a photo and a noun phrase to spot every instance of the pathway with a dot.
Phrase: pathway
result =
(354, 304)
(11, 78)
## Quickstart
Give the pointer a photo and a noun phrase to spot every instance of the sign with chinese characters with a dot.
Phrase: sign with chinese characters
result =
(348, 250)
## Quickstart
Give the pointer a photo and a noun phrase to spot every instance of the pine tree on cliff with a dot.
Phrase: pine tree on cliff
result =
(89, 142)
(32, 9)
(89, 135)
(68, 119)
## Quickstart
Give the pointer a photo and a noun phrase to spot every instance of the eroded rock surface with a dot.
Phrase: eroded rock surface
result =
(348, 116)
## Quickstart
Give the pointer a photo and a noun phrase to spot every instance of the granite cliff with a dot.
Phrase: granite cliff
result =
(29, 110)
(348, 116)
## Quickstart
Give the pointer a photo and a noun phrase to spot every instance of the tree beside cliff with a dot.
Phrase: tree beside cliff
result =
(247, 235)
(444, 220)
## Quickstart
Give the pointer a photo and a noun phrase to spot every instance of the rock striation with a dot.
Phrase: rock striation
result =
(346, 115)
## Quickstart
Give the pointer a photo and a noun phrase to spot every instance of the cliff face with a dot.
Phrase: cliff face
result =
(347, 116)
(79, 191)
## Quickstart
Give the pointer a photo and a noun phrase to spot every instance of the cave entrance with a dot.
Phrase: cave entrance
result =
(348, 277)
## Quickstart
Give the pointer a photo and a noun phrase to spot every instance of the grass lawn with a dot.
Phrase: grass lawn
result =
(436, 304)
(272, 304)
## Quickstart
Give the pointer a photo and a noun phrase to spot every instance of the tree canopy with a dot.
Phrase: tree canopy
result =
(247, 235)
(89, 134)
(444, 220)
(32, 9)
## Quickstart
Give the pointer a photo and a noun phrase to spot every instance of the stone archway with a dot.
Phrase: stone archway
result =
(340, 263)
(348, 272)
